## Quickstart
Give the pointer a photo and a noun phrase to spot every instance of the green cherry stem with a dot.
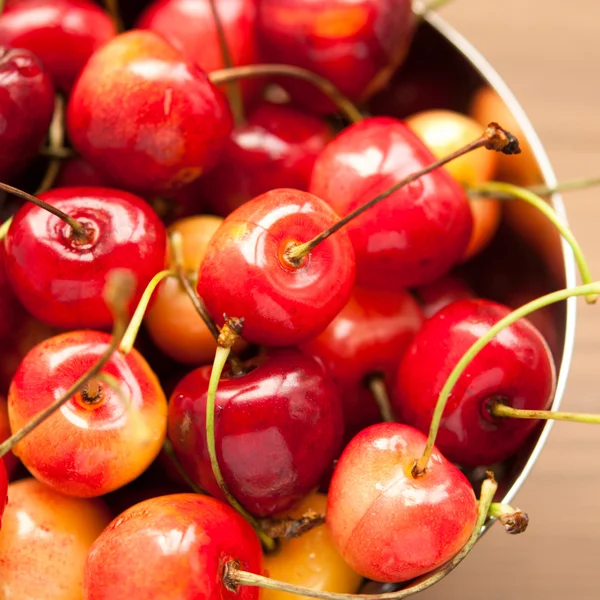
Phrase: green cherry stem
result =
(56, 138)
(494, 187)
(420, 467)
(573, 185)
(233, 577)
(497, 409)
(170, 454)
(5, 227)
(514, 519)
(229, 333)
(378, 389)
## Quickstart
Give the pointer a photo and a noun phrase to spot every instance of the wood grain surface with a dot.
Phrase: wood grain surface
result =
(549, 54)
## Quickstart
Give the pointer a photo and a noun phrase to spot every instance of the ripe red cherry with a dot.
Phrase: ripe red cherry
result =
(419, 232)
(172, 547)
(367, 338)
(96, 442)
(3, 489)
(515, 368)
(388, 525)
(277, 430)
(10, 461)
(77, 172)
(58, 276)
(26, 106)
(443, 291)
(356, 44)
(146, 118)
(276, 148)
(62, 33)
(245, 272)
(11, 310)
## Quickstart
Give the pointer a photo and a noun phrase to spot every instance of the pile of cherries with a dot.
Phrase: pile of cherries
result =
(194, 173)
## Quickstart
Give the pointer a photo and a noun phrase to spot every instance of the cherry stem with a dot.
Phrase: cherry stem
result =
(340, 100)
(2, 5)
(138, 316)
(117, 293)
(289, 528)
(541, 190)
(497, 409)
(493, 138)
(58, 153)
(376, 385)
(233, 577)
(112, 8)
(422, 7)
(514, 519)
(542, 206)
(5, 227)
(420, 467)
(170, 453)
(56, 141)
(234, 91)
(76, 226)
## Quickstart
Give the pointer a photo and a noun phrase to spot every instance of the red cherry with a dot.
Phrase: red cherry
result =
(3, 489)
(58, 276)
(11, 310)
(515, 367)
(172, 547)
(443, 291)
(10, 461)
(277, 430)
(419, 232)
(144, 117)
(26, 106)
(356, 44)
(62, 33)
(367, 338)
(77, 172)
(388, 525)
(276, 148)
(245, 272)
(96, 442)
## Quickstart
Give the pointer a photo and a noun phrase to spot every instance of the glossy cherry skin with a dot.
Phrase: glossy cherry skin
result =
(515, 367)
(62, 33)
(388, 525)
(277, 430)
(244, 273)
(367, 338)
(354, 44)
(87, 450)
(172, 547)
(443, 291)
(145, 117)
(3, 489)
(26, 106)
(415, 235)
(276, 148)
(60, 278)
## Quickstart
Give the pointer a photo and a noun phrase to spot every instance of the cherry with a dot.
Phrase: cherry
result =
(366, 339)
(62, 33)
(77, 172)
(100, 439)
(388, 524)
(59, 275)
(276, 148)
(10, 461)
(3, 489)
(516, 367)
(417, 234)
(443, 291)
(355, 44)
(246, 273)
(146, 118)
(10, 308)
(277, 429)
(26, 107)
(171, 546)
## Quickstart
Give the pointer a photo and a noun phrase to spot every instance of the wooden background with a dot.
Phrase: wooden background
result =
(549, 54)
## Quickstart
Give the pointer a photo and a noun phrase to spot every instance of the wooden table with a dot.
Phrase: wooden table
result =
(549, 53)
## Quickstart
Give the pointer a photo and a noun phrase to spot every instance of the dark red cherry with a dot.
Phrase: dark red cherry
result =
(276, 148)
(145, 117)
(77, 172)
(58, 276)
(277, 430)
(11, 311)
(3, 489)
(62, 33)
(356, 44)
(516, 368)
(443, 291)
(367, 338)
(245, 272)
(419, 232)
(26, 106)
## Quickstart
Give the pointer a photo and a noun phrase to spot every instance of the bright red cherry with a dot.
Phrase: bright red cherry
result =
(26, 106)
(277, 430)
(59, 276)
(388, 525)
(356, 44)
(443, 291)
(98, 441)
(516, 368)
(245, 272)
(172, 547)
(419, 232)
(3, 489)
(145, 117)
(276, 148)
(62, 33)
(366, 339)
